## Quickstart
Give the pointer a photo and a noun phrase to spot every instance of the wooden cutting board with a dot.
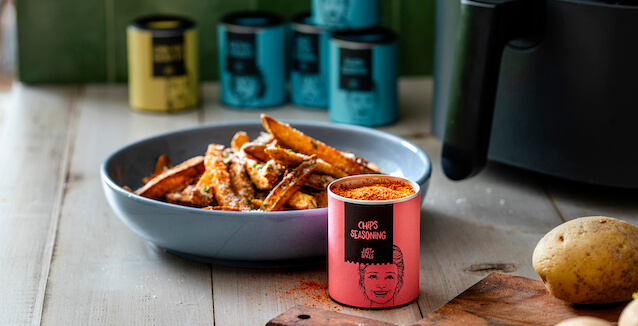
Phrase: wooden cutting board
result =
(498, 299)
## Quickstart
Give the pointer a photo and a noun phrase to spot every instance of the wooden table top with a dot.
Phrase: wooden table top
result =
(66, 259)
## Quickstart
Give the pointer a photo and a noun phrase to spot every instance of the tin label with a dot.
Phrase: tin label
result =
(368, 233)
(306, 53)
(357, 86)
(168, 56)
(246, 82)
(241, 55)
(355, 70)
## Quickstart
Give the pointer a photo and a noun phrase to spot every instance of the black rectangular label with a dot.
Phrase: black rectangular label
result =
(168, 56)
(368, 233)
(241, 55)
(355, 70)
(305, 53)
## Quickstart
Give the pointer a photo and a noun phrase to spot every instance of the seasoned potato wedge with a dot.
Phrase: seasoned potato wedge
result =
(319, 181)
(240, 138)
(299, 200)
(294, 139)
(289, 158)
(180, 175)
(256, 151)
(240, 181)
(162, 164)
(263, 175)
(291, 182)
(181, 197)
(220, 177)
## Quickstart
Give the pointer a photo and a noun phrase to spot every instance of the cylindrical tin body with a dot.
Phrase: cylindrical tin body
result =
(162, 63)
(251, 59)
(346, 14)
(309, 69)
(364, 77)
(373, 246)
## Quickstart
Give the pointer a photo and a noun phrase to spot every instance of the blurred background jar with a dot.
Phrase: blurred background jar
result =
(163, 63)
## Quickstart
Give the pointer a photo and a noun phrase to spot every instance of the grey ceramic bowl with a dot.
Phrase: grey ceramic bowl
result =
(243, 238)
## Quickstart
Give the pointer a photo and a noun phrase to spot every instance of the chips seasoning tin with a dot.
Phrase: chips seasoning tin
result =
(373, 246)
(346, 14)
(252, 59)
(309, 70)
(364, 77)
(162, 63)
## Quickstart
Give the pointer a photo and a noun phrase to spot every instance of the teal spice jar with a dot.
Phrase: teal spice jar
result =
(346, 14)
(364, 77)
(309, 63)
(252, 59)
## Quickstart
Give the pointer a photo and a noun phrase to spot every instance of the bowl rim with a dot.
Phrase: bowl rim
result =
(292, 122)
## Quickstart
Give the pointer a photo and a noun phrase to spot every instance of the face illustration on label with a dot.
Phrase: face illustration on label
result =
(362, 104)
(312, 89)
(247, 88)
(335, 12)
(380, 283)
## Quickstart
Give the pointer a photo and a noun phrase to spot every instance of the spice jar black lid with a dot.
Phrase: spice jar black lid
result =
(365, 38)
(251, 20)
(164, 25)
(303, 22)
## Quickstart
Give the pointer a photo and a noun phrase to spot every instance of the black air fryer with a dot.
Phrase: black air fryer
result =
(546, 85)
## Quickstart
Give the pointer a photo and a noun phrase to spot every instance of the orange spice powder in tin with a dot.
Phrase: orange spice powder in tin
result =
(373, 241)
(385, 190)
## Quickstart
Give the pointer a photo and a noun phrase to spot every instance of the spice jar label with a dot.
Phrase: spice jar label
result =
(356, 70)
(241, 54)
(368, 233)
(305, 53)
(168, 56)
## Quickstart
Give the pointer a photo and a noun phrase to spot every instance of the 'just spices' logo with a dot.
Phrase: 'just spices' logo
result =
(334, 12)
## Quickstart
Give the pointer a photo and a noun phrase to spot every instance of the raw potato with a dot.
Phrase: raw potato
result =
(584, 321)
(629, 315)
(589, 260)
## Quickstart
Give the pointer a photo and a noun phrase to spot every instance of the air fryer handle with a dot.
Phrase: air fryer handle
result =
(486, 26)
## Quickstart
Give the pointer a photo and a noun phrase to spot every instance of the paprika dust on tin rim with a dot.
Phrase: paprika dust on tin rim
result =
(373, 243)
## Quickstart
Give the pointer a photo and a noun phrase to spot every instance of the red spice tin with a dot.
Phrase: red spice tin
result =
(373, 246)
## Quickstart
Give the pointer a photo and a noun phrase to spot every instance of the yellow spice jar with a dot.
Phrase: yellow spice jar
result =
(163, 63)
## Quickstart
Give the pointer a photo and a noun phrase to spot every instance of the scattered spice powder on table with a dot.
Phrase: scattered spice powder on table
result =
(386, 190)
(307, 292)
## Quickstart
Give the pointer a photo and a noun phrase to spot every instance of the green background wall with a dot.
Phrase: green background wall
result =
(85, 40)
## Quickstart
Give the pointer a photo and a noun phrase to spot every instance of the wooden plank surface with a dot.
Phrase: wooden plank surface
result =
(34, 144)
(575, 200)
(101, 272)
